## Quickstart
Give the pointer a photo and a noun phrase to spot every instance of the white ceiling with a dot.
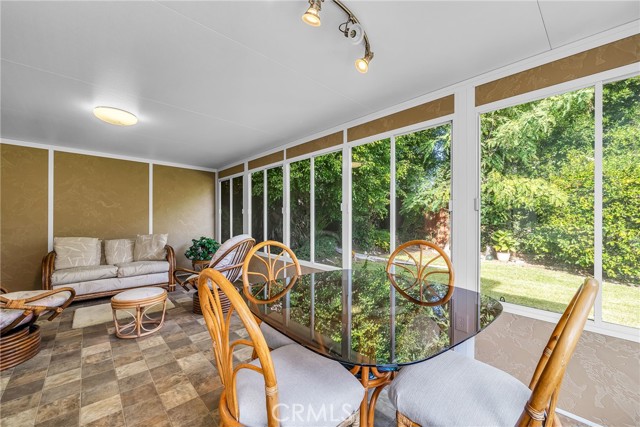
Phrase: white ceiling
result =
(215, 82)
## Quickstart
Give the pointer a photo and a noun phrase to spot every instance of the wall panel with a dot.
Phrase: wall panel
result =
(183, 206)
(100, 197)
(24, 218)
(602, 58)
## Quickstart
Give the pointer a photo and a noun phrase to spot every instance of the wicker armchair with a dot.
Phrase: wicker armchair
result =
(462, 391)
(228, 260)
(19, 335)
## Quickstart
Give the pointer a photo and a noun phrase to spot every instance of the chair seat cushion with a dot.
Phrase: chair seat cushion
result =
(312, 390)
(274, 338)
(9, 315)
(139, 268)
(455, 390)
(83, 274)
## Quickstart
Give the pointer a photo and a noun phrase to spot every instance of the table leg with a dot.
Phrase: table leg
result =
(377, 383)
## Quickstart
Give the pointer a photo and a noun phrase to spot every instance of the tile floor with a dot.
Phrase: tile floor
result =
(89, 377)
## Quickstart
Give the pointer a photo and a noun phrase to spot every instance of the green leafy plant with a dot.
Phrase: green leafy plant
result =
(202, 249)
(504, 241)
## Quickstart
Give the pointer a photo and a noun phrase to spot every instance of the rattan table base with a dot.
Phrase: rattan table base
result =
(19, 346)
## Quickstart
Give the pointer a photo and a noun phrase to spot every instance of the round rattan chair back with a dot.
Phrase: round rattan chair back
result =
(269, 271)
(232, 254)
(218, 325)
(421, 272)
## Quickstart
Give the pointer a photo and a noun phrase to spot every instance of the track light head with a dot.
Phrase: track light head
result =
(312, 15)
(362, 64)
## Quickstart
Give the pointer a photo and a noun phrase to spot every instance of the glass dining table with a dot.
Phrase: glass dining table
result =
(371, 321)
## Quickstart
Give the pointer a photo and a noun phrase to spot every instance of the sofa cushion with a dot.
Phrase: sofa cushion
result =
(76, 252)
(116, 283)
(83, 274)
(139, 268)
(150, 247)
(119, 251)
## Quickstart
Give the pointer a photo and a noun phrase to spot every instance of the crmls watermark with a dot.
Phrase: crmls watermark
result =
(307, 414)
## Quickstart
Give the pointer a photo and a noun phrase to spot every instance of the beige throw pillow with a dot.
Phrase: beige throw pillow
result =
(76, 252)
(150, 247)
(119, 251)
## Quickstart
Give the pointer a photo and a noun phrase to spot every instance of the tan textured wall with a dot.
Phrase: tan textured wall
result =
(23, 217)
(100, 197)
(602, 383)
(183, 206)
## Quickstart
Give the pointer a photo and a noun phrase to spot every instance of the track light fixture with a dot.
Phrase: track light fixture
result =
(352, 30)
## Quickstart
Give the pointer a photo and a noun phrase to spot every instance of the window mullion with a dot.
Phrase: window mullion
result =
(597, 217)
(312, 217)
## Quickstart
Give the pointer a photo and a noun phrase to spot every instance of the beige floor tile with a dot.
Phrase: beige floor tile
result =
(58, 408)
(100, 409)
(131, 369)
(63, 378)
(98, 348)
(21, 419)
(181, 393)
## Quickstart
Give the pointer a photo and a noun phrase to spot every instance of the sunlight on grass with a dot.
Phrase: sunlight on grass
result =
(551, 290)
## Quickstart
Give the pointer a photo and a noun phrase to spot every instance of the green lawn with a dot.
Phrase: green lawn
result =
(551, 290)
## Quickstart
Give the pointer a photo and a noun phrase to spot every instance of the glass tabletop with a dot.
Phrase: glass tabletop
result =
(369, 318)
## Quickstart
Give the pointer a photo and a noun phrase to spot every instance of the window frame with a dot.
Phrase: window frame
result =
(597, 81)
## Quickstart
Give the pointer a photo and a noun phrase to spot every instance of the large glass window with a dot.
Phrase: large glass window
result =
(423, 186)
(371, 189)
(621, 202)
(237, 206)
(225, 211)
(537, 189)
(274, 204)
(328, 212)
(300, 208)
(257, 206)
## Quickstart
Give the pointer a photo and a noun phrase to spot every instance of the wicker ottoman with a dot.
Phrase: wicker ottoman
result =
(137, 303)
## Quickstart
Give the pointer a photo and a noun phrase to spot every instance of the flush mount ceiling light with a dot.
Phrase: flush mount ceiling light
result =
(115, 116)
(352, 29)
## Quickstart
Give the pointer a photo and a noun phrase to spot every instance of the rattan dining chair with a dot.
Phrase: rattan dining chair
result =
(417, 269)
(289, 386)
(228, 260)
(461, 391)
(265, 263)
(19, 311)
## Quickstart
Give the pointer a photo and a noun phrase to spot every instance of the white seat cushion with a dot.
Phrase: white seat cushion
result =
(313, 391)
(274, 338)
(139, 268)
(83, 274)
(138, 294)
(454, 390)
(8, 315)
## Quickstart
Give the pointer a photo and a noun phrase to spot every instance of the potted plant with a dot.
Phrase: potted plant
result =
(504, 243)
(201, 251)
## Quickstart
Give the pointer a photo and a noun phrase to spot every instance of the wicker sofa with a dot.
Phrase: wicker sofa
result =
(93, 275)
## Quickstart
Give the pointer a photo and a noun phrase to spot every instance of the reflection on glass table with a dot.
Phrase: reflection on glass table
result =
(358, 317)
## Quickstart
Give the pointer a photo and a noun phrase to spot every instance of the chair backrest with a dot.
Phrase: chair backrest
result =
(218, 324)
(276, 262)
(415, 266)
(547, 378)
(230, 255)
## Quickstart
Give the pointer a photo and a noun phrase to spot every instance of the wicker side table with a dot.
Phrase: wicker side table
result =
(137, 302)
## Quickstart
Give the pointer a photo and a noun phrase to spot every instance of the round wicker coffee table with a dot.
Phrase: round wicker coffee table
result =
(137, 302)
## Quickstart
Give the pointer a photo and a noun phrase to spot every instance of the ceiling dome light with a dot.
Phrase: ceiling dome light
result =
(362, 64)
(115, 116)
(312, 15)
